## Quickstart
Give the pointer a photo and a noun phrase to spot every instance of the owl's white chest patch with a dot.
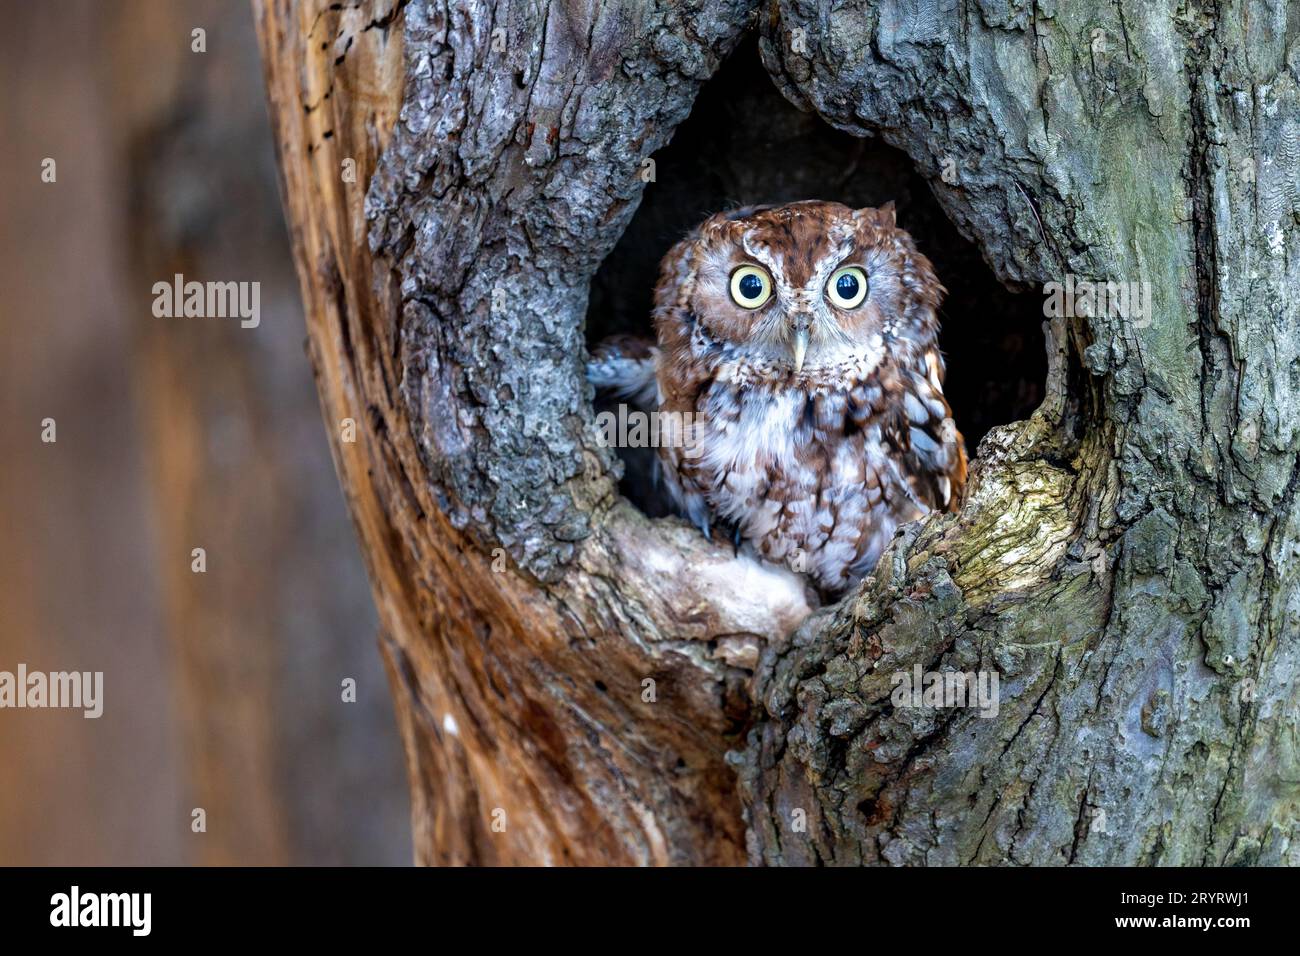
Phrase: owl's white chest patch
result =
(805, 489)
(748, 429)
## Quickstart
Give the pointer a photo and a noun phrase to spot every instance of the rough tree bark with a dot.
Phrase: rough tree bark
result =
(1127, 558)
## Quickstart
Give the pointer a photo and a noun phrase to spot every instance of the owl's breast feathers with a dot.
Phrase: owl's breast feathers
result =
(816, 469)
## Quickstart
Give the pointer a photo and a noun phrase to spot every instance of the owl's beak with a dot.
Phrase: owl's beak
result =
(799, 342)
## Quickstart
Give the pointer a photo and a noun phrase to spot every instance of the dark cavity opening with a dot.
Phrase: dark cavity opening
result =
(745, 143)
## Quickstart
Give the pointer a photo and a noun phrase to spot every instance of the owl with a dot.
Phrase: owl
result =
(800, 343)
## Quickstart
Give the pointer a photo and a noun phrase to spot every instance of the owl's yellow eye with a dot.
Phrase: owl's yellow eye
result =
(847, 288)
(751, 287)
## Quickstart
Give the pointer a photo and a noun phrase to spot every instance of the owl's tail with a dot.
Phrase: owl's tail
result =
(624, 365)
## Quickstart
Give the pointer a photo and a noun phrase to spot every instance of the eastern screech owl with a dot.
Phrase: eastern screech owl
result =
(802, 339)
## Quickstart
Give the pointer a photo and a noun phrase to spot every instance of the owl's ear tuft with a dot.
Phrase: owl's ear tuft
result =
(882, 216)
(744, 212)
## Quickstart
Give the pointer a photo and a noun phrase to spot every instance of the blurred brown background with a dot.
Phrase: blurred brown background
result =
(223, 689)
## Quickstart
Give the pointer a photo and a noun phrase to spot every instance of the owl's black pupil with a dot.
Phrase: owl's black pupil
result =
(847, 285)
(751, 286)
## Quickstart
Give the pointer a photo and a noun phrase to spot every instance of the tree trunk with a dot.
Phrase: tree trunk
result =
(578, 683)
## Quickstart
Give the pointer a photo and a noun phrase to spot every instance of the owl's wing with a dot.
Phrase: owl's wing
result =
(625, 366)
(923, 432)
(683, 380)
(685, 474)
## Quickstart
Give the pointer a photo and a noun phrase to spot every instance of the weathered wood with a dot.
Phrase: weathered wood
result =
(1125, 560)
(521, 688)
